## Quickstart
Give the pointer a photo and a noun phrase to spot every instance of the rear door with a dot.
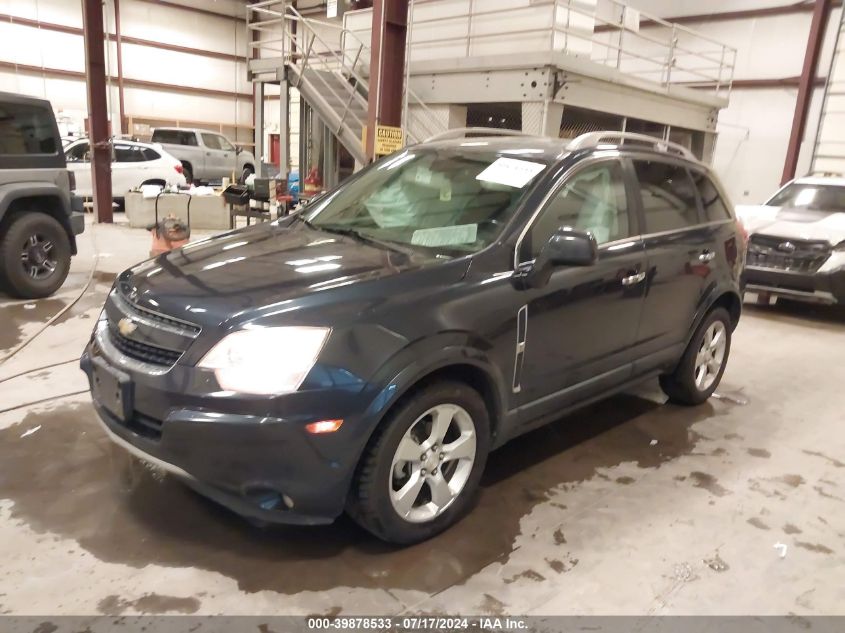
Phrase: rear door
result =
(129, 168)
(78, 157)
(680, 247)
(578, 330)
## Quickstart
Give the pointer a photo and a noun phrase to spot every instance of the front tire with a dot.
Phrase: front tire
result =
(703, 363)
(34, 255)
(246, 173)
(420, 473)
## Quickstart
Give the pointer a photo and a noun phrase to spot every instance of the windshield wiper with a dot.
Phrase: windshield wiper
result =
(361, 237)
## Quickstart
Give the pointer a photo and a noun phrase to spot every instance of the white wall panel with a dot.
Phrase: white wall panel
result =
(178, 26)
(66, 12)
(42, 47)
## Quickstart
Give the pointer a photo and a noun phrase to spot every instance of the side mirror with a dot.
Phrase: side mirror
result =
(566, 247)
(238, 149)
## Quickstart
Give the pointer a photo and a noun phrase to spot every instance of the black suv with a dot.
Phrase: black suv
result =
(367, 353)
(39, 215)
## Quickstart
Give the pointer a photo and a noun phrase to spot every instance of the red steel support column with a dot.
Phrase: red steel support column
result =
(119, 46)
(98, 124)
(821, 13)
(387, 66)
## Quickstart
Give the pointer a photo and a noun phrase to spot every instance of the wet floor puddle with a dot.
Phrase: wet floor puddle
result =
(15, 315)
(68, 480)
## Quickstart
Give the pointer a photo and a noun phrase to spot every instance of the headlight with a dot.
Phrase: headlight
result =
(265, 361)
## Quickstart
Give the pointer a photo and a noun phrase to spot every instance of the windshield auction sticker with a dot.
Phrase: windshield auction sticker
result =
(511, 172)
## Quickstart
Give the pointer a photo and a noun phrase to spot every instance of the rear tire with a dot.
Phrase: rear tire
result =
(34, 255)
(446, 423)
(701, 367)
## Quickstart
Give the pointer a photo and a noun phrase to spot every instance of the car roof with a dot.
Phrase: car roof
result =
(187, 129)
(13, 97)
(120, 141)
(526, 147)
(834, 181)
(544, 148)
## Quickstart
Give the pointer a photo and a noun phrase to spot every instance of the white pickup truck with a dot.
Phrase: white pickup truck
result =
(205, 155)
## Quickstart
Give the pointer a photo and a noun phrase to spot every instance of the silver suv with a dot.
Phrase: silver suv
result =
(39, 215)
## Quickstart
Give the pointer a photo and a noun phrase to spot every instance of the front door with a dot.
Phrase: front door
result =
(581, 326)
(216, 163)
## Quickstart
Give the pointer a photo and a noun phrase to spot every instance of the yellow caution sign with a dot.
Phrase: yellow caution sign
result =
(388, 139)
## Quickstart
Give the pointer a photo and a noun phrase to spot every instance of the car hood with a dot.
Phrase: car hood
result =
(804, 224)
(239, 274)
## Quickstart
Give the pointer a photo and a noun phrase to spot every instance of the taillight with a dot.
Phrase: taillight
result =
(178, 168)
(71, 180)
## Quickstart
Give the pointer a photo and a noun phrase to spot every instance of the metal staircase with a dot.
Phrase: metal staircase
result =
(829, 148)
(327, 63)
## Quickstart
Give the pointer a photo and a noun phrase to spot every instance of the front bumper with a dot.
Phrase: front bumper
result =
(266, 468)
(818, 287)
(77, 215)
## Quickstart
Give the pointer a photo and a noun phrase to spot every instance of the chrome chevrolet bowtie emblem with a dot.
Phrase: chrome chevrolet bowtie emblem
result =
(126, 326)
(786, 247)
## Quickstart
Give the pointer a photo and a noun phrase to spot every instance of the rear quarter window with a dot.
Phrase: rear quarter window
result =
(27, 130)
(712, 202)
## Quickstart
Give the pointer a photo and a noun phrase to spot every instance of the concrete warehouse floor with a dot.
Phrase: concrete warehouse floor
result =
(628, 507)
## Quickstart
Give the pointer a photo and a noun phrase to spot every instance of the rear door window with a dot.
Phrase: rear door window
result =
(711, 200)
(128, 154)
(175, 137)
(669, 196)
(27, 129)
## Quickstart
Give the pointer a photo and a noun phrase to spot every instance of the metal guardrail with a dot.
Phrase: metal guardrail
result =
(634, 42)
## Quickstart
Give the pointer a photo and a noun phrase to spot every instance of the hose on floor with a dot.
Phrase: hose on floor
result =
(61, 312)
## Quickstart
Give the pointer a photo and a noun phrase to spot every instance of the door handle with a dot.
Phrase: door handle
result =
(630, 280)
(706, 256)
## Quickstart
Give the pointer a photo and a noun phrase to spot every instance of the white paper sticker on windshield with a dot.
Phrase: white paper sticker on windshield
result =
(511, 172)
(445, 235)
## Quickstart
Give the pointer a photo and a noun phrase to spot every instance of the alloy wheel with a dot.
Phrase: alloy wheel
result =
(432, 463)
(711, 355)
(36, 258)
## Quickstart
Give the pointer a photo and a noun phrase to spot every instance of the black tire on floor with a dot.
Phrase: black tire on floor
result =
(680, 385)
(369, 500)
(15, 236)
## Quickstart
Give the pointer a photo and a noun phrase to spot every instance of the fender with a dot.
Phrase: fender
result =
(423, 357)
(27, 189)
(708, 298)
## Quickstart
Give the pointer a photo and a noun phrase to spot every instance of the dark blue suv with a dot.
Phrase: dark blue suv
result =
(367, 353)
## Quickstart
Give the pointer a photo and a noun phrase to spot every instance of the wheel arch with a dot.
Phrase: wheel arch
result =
(42, 198)
(459, 364)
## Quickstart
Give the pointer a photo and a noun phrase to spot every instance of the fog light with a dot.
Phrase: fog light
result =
(323, 426)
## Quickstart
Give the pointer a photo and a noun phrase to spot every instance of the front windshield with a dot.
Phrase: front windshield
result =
(455, 200)
(828, 198)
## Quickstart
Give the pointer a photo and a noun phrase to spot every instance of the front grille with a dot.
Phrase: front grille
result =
(792, 255)
(142, 351)
(143, 334)
(132, 309)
